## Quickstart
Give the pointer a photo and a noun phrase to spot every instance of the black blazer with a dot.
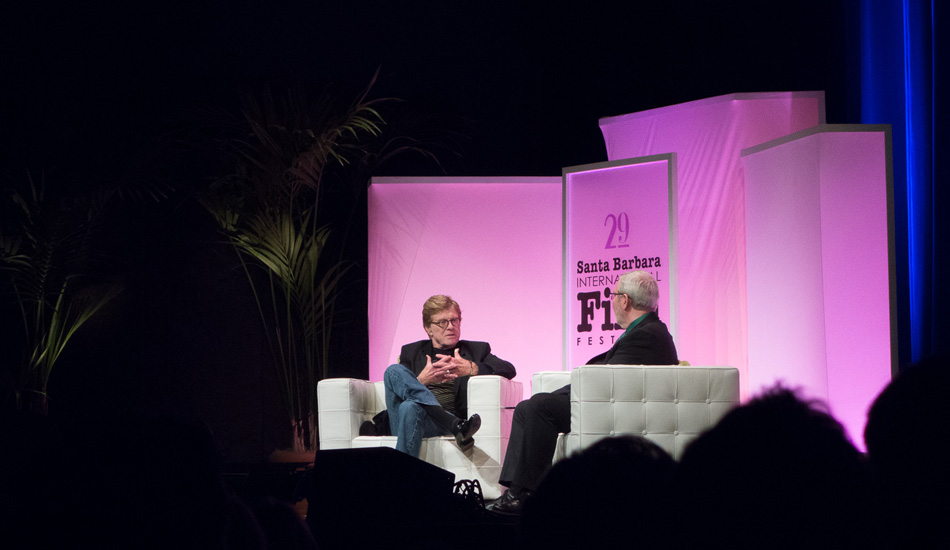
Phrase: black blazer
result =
(648, 343)
(414, 355)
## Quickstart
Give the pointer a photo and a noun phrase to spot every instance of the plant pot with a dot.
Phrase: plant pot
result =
(33, 401)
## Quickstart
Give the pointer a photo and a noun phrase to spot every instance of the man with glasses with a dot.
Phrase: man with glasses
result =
(538, 421)
(426, 392)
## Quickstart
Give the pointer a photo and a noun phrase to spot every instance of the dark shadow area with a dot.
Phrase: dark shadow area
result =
(908, 439)
(776, 472)
(137, 483)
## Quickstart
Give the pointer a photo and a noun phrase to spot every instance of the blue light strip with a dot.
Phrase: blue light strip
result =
(933, 156)
(896, 39)
(913, 236)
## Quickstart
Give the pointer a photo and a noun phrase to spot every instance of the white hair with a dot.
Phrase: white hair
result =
(641, 288)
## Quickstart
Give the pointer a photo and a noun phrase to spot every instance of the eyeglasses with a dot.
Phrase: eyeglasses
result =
(611, 294)
(444, 323)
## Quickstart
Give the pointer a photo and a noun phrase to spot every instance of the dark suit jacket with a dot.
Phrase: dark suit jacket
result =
(414, 356)
(648, 343)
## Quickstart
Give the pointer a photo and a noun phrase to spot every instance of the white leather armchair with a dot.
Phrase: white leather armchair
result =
(345, 403)
(667, 404)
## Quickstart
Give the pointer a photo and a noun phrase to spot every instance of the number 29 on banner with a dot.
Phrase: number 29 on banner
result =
(619, 230)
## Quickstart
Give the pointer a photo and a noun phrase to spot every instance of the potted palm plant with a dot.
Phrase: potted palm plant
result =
(269, 208)
(52, 264)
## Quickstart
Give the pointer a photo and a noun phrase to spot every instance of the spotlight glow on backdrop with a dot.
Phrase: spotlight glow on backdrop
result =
(776, 226)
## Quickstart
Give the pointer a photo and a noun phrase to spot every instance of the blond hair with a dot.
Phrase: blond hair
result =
(436, 304)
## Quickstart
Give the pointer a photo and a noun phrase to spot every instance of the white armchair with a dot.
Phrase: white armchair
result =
(345, 403)
(667, 404)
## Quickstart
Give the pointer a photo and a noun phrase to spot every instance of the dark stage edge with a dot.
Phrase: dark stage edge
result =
(379, 497)
(373, 498)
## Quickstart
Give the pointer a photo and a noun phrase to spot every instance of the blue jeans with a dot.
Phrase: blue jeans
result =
(405, 396)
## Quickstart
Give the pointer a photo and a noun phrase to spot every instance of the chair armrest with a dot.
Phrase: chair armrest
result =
(342, 405)
(492, 397)
(493, 391)
(548, 381)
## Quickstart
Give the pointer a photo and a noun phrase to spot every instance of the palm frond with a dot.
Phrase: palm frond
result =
(268, 207)
(51, 255)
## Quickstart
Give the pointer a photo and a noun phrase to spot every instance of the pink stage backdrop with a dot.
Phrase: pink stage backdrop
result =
(617, 218)
(819, 293)
(707, 137)
(493, 244)
(778, 261)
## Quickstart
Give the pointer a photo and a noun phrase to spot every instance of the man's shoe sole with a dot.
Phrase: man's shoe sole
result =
(466, 443)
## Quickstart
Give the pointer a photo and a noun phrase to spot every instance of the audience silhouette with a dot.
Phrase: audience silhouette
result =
(618, 490)
(147, 483)
(908, 442)
(776, 472)
(283, 528)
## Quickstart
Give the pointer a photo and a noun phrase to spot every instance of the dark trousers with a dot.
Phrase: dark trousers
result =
(534, 430)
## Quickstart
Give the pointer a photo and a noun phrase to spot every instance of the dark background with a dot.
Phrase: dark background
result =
(97, 93)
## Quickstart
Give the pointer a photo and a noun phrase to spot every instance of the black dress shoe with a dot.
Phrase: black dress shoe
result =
(467, 429)
(508, 504)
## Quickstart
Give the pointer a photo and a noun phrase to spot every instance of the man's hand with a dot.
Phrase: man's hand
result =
(440, 371)
(459, 366)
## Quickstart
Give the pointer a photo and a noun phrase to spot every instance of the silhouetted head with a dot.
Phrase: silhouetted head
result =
(617, 490)
(778, 471)
(908, 441)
